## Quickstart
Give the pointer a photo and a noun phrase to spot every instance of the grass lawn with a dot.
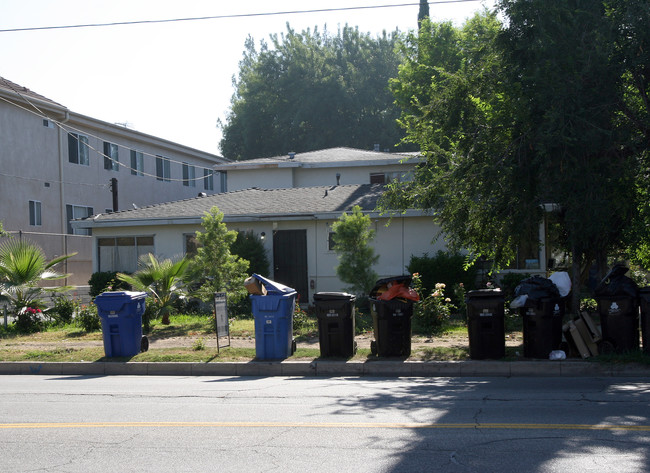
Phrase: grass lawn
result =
(187, 335)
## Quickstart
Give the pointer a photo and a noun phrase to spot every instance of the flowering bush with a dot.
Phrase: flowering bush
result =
(29, 320)
(433, 309)
(88, 319)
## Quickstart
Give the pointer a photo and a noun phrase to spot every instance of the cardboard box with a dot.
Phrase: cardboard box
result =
(254, 286)
(574, 333)
(586, 336)
(594, 329)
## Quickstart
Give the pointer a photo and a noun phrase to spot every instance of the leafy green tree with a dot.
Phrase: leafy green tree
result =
(352, 237)
(162, 279)
(313, 90)
(23, 266)
(514, 116)
(214, 265)
(249, 246)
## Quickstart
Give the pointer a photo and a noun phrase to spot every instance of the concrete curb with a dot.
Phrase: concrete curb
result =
(474, 368)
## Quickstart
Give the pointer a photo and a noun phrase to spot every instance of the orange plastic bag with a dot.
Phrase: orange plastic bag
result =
(399, 290)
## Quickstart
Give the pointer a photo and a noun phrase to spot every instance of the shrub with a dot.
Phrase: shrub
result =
(102, 281)
(88, 319)
(434, 308)
(446, 268)
(199, 344)
(63, 309)
(29, 320)
(249, 246)
(509, 283)
(302, 322)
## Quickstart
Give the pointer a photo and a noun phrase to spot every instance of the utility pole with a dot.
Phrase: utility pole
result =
(113, 188)
(423, 13)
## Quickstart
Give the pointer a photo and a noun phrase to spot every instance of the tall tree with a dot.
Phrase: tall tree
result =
(313, 90)
(511, 117)
(214, 266)
(352, 237)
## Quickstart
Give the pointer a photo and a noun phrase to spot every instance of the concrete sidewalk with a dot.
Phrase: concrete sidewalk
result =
(473, 368)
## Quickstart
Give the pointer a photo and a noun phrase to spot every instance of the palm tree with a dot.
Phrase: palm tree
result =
(23, 266)
(162, 279)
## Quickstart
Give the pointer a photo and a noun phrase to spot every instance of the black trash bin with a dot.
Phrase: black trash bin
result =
(618, 307)
(335, 313)
(391, 320)
(619, 322)
(542, 326)
(644, 302)
(486, 324)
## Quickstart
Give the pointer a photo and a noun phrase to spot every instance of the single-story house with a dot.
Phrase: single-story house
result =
(294, 223)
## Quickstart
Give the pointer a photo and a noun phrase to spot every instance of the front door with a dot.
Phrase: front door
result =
(290, 260)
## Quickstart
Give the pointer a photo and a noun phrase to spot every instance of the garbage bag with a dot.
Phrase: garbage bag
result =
(615, 283)
(563, 282)
(399, 290)
(537, 288)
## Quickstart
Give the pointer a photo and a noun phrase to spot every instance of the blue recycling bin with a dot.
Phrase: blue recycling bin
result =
(121, 317)
(273, 315)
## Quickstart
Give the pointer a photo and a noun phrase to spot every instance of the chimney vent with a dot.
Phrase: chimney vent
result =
(338, 178)
(292, 154)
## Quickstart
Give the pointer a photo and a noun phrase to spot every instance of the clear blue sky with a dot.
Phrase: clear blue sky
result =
(172, 80)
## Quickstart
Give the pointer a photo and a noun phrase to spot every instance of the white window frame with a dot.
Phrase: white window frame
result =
(78, 211)
(120, 254)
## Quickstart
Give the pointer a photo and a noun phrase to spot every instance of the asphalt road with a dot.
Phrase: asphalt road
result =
(246, 424)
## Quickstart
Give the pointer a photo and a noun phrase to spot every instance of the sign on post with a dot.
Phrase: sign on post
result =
(221, 317)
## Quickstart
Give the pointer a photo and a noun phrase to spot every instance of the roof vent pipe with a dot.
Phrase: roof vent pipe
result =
(292, 154)
(338, 178)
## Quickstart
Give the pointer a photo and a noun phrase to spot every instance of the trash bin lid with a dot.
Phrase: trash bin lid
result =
(485, 292)
(130, 295)
(272, 286)
(334, 296)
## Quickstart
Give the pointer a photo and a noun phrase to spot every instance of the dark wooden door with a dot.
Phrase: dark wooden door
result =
(290, 260)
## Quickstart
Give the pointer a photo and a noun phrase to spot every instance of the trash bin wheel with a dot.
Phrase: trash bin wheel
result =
(144, 343)
(373, 347)
(606, 347)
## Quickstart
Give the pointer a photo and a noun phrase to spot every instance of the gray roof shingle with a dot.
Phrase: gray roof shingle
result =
(254, 202)
(322, 157)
